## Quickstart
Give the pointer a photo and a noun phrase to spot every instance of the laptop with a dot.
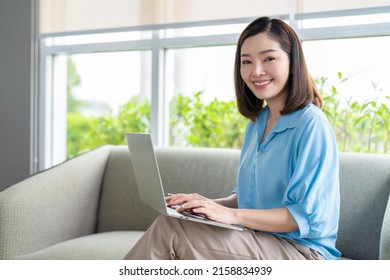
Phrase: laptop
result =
(149, 184)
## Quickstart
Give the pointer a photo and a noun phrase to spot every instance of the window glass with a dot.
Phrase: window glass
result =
(108, 94)
(354, 79)
(200, 93)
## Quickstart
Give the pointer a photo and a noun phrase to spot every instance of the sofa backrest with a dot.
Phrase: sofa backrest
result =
(212, 175)
(364, 182)
(365, 188)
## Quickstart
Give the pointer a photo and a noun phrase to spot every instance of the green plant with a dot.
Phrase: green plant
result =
(374, 121)
(78, 131)
(358, 126)
(195, 123)
(86, 133)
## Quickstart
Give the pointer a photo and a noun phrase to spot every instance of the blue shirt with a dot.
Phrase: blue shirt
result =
(296, 167)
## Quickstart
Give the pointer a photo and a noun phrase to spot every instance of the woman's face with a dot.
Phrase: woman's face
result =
(265, 68)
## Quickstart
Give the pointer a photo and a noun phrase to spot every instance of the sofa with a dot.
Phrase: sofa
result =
(88, 207)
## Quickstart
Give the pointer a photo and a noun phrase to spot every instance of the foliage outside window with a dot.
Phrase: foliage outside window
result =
(359, 127)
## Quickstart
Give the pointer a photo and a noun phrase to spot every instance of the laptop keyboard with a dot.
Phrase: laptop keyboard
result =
(189, 214)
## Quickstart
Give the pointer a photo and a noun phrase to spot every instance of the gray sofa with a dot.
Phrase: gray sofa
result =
(88, 208)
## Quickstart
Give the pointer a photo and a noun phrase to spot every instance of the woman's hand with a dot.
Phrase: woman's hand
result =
(201, 205)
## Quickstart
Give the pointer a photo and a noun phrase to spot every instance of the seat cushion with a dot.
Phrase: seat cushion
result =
(101, 246)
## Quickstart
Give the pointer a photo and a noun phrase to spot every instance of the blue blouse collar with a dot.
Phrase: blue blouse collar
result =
(285, 122)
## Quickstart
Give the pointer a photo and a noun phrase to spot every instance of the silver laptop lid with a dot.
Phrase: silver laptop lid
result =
(146, 171)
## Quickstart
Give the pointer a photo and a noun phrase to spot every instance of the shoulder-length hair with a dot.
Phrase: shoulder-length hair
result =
(300, 89)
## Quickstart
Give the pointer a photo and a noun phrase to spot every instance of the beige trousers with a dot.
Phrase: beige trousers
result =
(171, 238)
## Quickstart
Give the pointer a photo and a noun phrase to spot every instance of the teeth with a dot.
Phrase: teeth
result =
(262, 83)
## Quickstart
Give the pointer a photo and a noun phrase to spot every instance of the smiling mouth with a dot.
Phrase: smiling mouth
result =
(262, 83)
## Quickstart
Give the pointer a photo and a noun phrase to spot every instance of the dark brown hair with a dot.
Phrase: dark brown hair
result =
(300, 89)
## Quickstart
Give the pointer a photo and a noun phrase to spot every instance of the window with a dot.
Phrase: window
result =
(357, 89)
(161, 71)
(200, 91)
(112, 94)
(93, 98)
(145, 69)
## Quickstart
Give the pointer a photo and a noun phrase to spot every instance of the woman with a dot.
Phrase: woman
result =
(287, 192)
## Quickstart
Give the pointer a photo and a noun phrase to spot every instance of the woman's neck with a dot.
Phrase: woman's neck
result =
(273, 117)
(275, 107)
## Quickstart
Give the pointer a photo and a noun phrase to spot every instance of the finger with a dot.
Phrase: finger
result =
(177, 199)
(169, 197)
(191, 205)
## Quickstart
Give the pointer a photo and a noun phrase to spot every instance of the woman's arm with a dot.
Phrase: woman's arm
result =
(273, 220)
(225, 210)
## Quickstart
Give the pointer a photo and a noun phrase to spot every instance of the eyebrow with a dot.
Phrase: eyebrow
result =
(262, 52)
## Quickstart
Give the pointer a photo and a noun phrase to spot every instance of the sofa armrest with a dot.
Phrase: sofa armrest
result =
(52, 206)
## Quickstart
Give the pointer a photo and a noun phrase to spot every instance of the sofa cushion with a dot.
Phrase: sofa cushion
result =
(101, 246)
(365, 188)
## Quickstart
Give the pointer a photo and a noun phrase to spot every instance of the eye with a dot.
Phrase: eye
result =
(270, 58)
(245, 62)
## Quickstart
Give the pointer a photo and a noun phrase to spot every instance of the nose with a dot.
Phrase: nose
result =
(258, 70)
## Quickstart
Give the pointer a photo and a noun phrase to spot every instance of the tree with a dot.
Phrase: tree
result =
(73, 104)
